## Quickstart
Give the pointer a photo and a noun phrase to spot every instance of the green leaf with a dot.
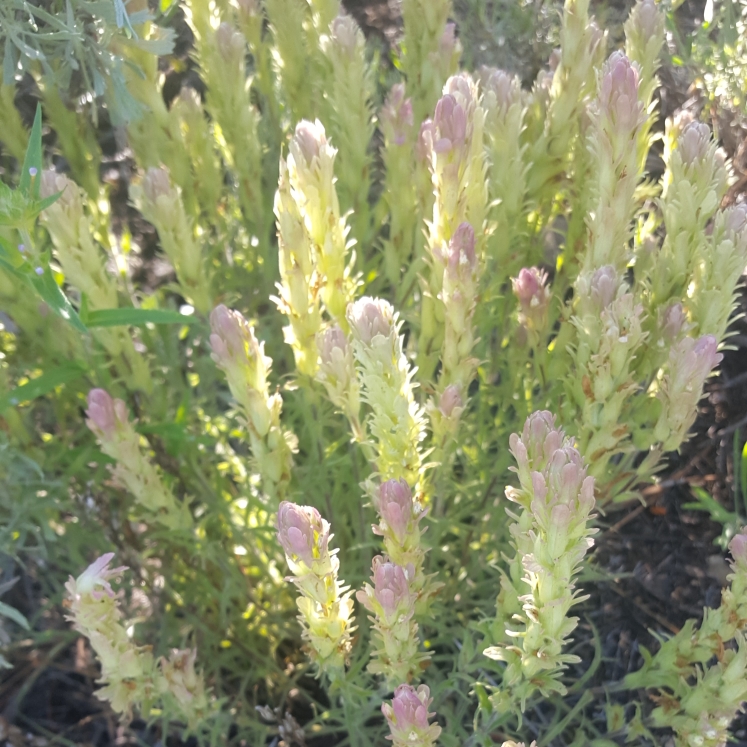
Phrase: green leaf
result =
(136, 317)
(42, 385)
(46, 286)
(13, 614)
(743, 475)
(29, 185)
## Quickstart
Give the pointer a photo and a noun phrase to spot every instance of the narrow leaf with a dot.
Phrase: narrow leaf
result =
(42, 385)
(136, 317)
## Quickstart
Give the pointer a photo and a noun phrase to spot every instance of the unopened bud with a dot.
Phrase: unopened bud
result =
(450, 125)
(333, 338)
(735, 220)
(450, 400)
(674, 320)
(694, 142)
(105, 414)
(370, 317)
(396, 506)
(345, 32)
(308, 140)
(396, 115)
(738, 548)
(230, 335)
(302, 532)
(618, 93)
(533, 294)
(646, 20)
(604, 285)
(408, 716)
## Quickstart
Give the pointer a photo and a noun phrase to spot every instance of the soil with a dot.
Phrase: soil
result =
(661, 563)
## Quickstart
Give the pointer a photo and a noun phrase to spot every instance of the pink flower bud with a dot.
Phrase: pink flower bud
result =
(396, 506)
(450, 399)
(396, 115)
(450, 125)
(604, 285)
(344, 31)
(530, 288)
(735, 220)
(370, 317)
(391, 586)
(155, 184)
(302, 532)
(691, 361)
(105, 414)
(738, 548)
(673, 322)
(408, 716)
(506, 88)
(646, 19)
(308, 140)
(537, 444)
(231, 43)
(462, 246)
(331, 339)
(230, 335)
(618, 93)
(694, 142)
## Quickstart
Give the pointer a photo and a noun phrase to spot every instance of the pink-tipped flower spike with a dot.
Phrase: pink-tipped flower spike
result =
(109, 421)
(551, 535)
(391, 600)
(459, 297)
(408, 717)
(240, 355)
(400, 514)
(690, 363)
(324, 603)
(337, 373)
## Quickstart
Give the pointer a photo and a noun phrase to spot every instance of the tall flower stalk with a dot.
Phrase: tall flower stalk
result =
(551, 534)
(324, 603)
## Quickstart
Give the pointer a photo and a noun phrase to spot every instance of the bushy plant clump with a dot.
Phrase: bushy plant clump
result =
(392, 294)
